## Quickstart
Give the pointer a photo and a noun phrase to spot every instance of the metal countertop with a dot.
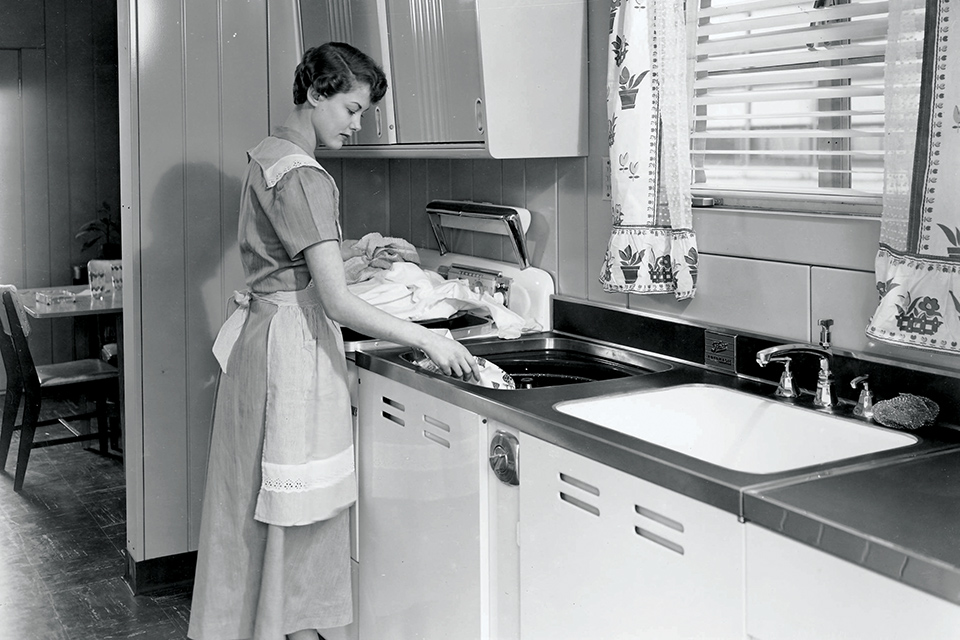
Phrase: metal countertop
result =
(901, 520)
(895, 512)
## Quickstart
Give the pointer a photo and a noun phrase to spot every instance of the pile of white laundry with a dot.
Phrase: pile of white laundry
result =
(403, 289)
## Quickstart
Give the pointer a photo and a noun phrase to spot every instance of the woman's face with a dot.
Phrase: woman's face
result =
(335, 118)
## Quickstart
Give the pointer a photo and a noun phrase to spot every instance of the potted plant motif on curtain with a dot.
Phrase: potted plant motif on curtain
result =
(630, 262)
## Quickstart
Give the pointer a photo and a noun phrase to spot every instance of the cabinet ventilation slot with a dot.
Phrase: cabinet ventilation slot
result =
(393, 418)
(435, 438)
(392, 403)
(656, 517)
(436, 423)
(579, 484)
(652, 537)
(589, 508)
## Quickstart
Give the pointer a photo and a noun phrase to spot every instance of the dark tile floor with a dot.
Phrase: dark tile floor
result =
(61, 554)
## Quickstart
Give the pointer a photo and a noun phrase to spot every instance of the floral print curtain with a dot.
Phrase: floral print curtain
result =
(919, 256)
(652, 247)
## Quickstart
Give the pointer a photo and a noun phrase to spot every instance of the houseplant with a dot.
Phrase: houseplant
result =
(103, 232)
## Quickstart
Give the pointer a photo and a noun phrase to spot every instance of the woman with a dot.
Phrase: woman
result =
(274, 556)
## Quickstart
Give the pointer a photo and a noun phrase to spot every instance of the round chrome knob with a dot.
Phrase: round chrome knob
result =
(504, 452)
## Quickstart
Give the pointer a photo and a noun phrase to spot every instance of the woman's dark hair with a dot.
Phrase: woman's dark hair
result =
(336, 67)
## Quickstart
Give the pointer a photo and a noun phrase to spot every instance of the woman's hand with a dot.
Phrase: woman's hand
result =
(349, 250)
(325, 261)
(452, 357)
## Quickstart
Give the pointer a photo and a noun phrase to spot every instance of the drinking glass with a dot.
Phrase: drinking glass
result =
(97, 279)
(116, 279)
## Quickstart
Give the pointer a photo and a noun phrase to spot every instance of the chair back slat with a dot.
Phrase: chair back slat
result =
(28, 370)
(10, 362)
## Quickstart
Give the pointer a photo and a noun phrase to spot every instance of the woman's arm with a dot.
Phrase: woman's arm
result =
(326, 268)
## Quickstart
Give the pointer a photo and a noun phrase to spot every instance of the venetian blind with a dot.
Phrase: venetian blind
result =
(788, 103)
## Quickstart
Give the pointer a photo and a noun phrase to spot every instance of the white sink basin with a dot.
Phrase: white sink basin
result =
(735, 430)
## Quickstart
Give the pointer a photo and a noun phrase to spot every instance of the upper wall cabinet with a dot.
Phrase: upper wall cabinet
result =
(468, 78)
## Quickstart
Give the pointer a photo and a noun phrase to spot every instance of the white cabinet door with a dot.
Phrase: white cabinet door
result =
(420, 515)
(436, 70)
(796, 592)
(363, 25)
(606, 555)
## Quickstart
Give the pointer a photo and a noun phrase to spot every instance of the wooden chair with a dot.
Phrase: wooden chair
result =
(33, 383)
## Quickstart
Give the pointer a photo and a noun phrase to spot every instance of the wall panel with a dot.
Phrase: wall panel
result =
(21, 24)
(364, 205)
(130, 222)
(571, 226)
(849, 298)
(203, 181)
(46, 338)
(398, 199)
(162, 276)
(59, 71)
(429, 180)
(771, 298)
(81, 121)
(11, 170)
(541, 196)
(488, 187)
(36, 199)
(106, 159)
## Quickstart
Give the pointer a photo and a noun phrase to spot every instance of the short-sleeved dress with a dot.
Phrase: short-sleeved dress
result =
(255, 579)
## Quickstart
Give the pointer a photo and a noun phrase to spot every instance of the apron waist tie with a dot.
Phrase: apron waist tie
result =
(230, 331)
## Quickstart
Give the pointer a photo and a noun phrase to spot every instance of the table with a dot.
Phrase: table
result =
(84, 304)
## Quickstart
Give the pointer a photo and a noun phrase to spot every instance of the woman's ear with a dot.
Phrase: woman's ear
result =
(314, 97)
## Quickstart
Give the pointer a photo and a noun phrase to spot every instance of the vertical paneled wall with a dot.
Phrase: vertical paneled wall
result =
(195, 94)
(59, 143)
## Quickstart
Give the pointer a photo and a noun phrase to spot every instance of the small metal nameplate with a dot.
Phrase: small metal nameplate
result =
(720, 351)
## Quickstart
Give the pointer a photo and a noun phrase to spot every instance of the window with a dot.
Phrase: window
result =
(788, 103)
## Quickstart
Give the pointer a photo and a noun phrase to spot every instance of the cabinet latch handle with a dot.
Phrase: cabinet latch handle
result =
(480, 122)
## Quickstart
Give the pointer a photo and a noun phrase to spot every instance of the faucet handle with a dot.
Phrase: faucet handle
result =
(825, 324)
(864, 406)
(786, 388)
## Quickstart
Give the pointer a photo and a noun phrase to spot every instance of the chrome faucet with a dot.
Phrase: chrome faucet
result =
(824, 396)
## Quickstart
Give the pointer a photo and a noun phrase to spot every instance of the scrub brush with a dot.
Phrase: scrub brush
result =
(906, 411)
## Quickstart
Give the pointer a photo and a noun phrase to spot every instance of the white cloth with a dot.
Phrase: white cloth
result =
(374, 254)
(408, 292)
